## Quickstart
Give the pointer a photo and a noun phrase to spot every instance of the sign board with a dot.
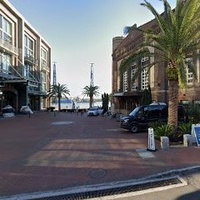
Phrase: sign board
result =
(196, 132)
(151, 140)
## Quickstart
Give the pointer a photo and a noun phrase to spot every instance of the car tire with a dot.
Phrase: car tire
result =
(134, 128)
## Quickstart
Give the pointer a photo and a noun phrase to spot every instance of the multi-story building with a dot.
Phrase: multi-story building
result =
(25, 62)
(127, 90)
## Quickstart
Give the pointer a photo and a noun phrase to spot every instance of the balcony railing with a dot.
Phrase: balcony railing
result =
(8, 47)
(15, 74)
(44, 66)
(30, 60)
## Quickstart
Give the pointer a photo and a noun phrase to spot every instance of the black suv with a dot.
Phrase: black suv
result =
(142, 116)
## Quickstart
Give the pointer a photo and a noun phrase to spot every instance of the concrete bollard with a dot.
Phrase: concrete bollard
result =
(164, 142)
(187, 140)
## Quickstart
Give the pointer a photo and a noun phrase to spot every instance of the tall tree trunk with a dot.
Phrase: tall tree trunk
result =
(59, 104)
(91, 101)
(173, 104)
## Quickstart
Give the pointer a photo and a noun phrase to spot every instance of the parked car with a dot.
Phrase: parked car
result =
(94, 111)
(142, 116)
(26, 110)
(8, 111)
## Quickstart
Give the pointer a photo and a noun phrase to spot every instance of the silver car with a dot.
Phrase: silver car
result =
(94, 111)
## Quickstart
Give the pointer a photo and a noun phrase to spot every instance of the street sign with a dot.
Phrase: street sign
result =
(196, 132)
(151, 140)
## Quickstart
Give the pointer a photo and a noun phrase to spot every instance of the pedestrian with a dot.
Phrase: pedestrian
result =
(77, 108)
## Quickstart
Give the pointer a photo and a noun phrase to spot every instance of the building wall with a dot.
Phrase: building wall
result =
(125, 100)
(28, 71)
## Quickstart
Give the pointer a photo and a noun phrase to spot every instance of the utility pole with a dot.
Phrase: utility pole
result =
(91, 75)
(54, 74)
(54, 80)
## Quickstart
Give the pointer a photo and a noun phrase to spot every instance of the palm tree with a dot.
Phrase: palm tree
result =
(176, 42)
(91, 91)
(58, 91)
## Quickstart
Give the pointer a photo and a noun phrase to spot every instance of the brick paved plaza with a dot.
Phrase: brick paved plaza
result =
(51, 151)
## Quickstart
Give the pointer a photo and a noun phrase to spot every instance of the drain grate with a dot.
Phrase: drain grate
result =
(117, 190)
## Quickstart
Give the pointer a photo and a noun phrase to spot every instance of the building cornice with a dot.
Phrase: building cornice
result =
(14, 11)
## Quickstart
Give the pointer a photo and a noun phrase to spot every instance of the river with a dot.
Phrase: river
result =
(69, 105)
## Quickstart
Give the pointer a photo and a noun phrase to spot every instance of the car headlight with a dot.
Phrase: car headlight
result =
(125, 120)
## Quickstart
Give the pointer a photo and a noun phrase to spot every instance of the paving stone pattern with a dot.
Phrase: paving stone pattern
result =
(53, 151)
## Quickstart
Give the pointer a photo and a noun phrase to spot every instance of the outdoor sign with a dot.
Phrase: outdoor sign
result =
(151, 140)
(196, 132)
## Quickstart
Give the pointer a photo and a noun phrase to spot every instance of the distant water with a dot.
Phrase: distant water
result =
(81, 105)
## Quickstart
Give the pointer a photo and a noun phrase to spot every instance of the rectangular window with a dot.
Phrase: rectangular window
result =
(189, 74)
(44, 81)
(8, 27)
(5, 63)
(44, 57)
(125, 81)
(144, 79)
(28, 46)
(44, 54)
(5, 29)
(134, 85)
(144, 74)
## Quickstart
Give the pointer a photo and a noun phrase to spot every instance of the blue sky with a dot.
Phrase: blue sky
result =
(80, 32)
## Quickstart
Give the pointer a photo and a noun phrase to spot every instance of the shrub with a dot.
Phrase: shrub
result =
(185, 128)
(156, 124)
(194, 113)
(167, 130)
(164, 130)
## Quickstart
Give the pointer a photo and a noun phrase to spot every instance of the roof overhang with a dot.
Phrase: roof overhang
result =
(37, 93)
(14, 81)
(128, 94)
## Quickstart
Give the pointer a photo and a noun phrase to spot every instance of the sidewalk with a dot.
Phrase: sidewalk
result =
(51, 151)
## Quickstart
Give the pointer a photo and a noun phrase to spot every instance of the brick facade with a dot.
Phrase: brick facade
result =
(125, 101)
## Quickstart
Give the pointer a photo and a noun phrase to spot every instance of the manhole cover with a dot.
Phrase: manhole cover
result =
(62, 122)
(97, 173)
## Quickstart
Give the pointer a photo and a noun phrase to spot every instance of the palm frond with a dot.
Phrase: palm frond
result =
(91, 90)
(58, 91)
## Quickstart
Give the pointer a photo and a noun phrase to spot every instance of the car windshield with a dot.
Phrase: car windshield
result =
(135, 111)
(93, 109)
